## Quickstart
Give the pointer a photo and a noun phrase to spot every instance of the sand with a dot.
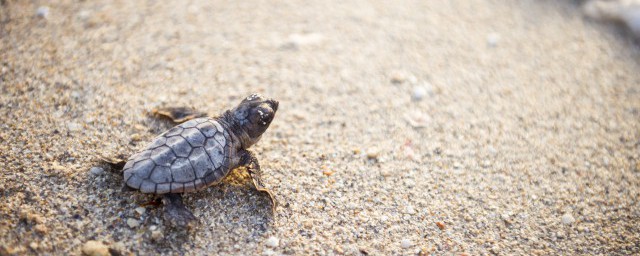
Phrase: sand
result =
(433, 127)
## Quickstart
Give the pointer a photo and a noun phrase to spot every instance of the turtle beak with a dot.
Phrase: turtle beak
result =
(273, 104)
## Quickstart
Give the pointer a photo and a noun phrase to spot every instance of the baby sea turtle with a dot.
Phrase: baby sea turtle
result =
(200, 152)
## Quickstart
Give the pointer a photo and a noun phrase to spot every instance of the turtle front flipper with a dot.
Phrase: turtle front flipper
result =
(256, 177)
(251, 163)
(178, 114)
(176, 213)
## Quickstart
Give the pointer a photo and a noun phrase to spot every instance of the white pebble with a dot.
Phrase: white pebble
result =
(493, 39)
(491, 150)
(84, 14)
(412, 79)
(418, 93)
(133, 222)
(567, 219)
(406, 243)
(299, 40)
(96, 171)
(418, 119)
(74, 127)
(272, 242)
(42, 12)
(141, 210)
(268, 252)
(410, 210)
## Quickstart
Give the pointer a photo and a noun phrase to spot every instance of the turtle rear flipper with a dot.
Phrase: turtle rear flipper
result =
(176, 214)
(115, 163)
(178, 114)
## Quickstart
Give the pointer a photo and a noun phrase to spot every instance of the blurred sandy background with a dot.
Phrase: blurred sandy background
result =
(405, 127)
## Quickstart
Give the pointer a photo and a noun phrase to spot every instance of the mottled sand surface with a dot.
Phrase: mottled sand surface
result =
(405, 127)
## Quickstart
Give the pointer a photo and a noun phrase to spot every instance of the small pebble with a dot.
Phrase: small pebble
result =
(41, 228)
(418, 93)
(491, 150)
(141, 210)
(440, 225)
(96, 170)
(399, 77)
(327, 173)
(76, 94)
(272, 242)
(136, 137)
(95, 248)
(568, 219)
(268, 252)
(74, 127)
(84, 14)
(119, 248)
(308, 224)
(418, 119)
(493, 39)
(31, 217)
(410, 210)
(133, 222)
(410, 154)
(157, 235)
(373, 154)
(42, 12)
(298, 40)
(406, 243)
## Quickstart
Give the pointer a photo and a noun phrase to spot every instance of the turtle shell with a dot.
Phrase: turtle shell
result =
(186, 158)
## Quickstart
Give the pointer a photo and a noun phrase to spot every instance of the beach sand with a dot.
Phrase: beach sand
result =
(406, 127)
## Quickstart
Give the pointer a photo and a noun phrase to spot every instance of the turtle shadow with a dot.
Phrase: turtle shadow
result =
(231, 206)
(235, 199)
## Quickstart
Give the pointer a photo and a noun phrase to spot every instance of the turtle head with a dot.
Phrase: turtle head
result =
(253, 116)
